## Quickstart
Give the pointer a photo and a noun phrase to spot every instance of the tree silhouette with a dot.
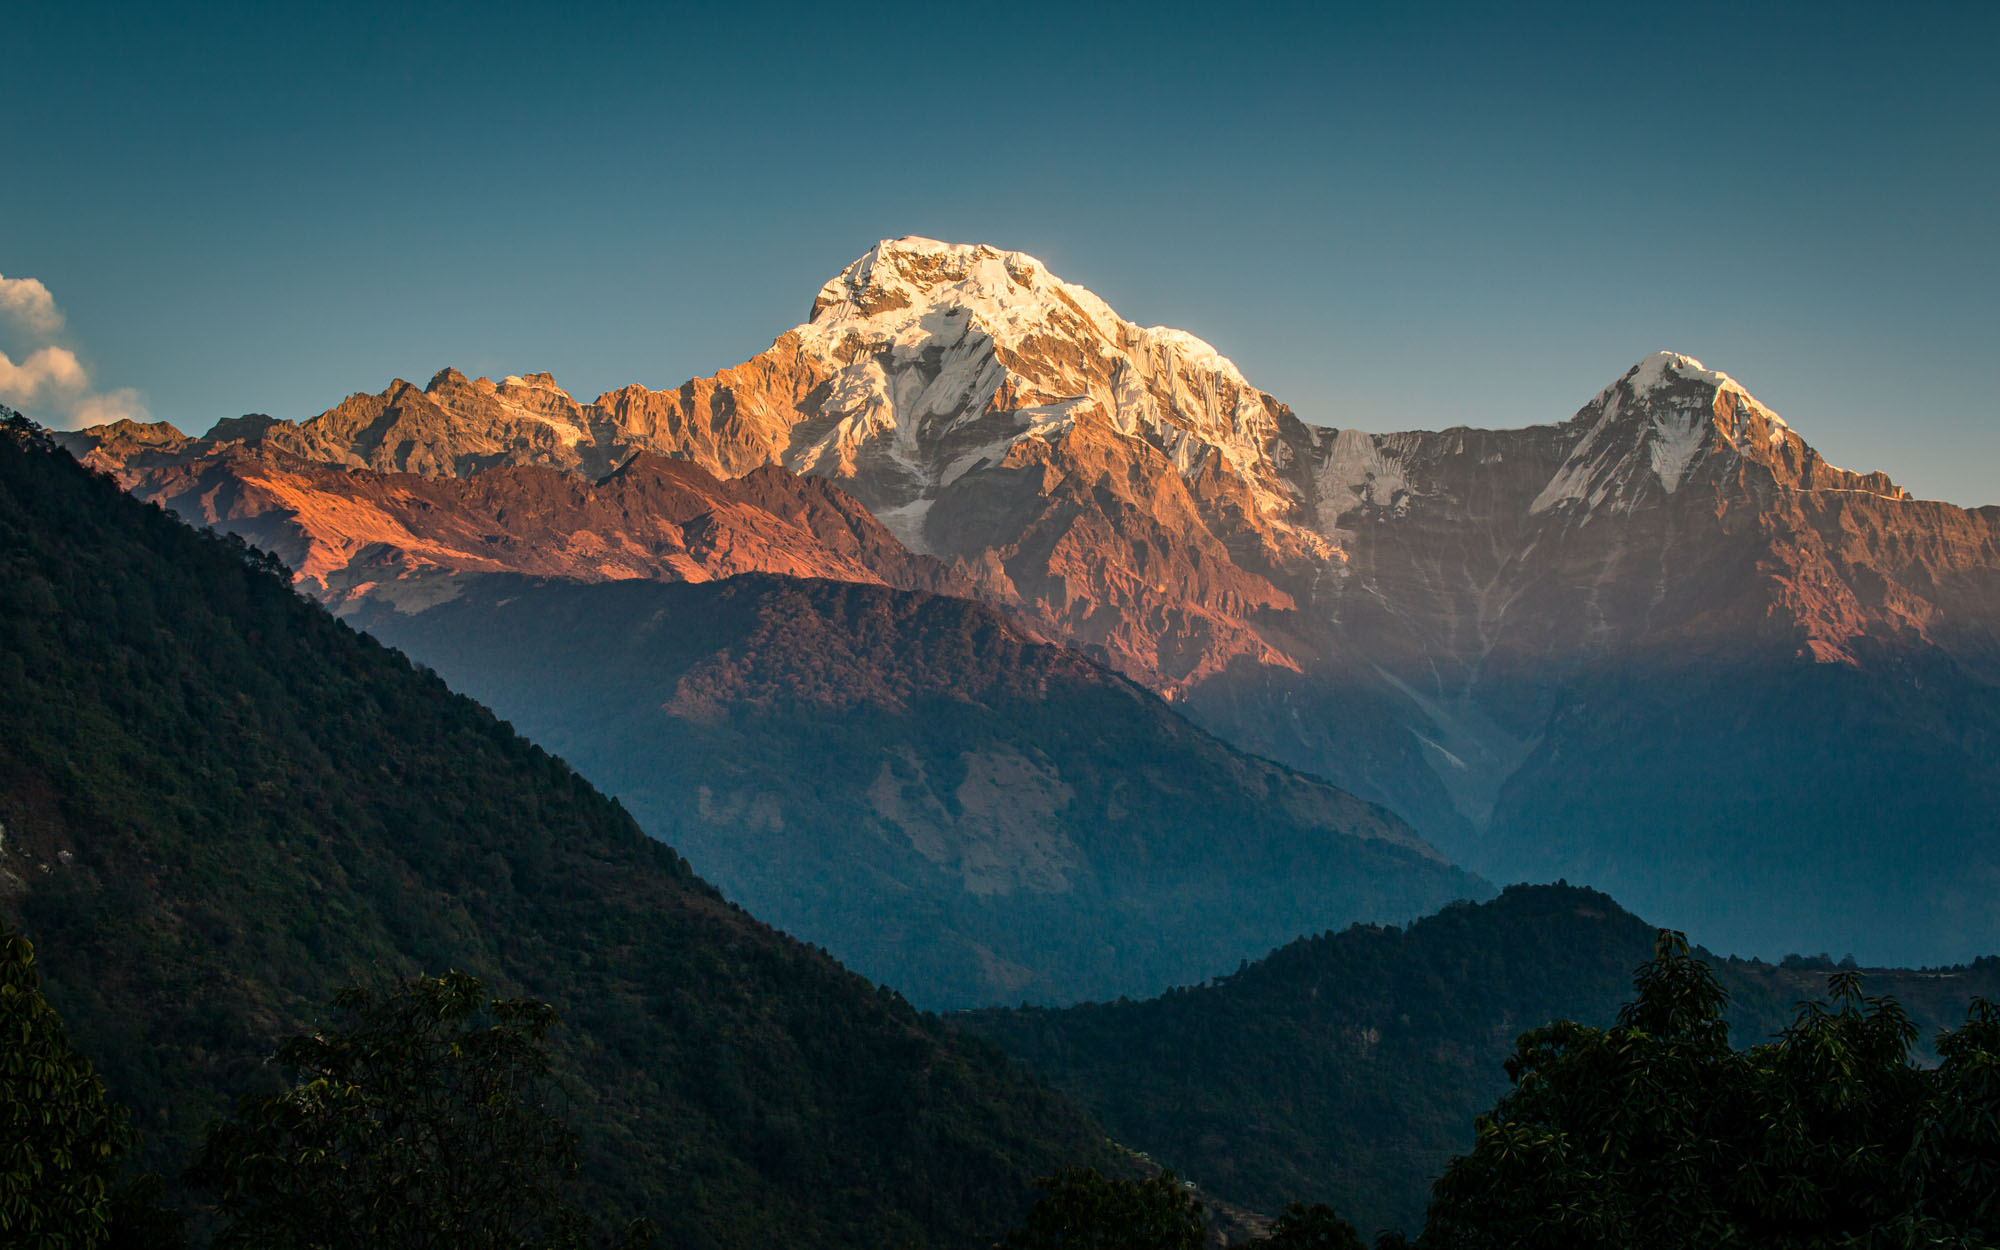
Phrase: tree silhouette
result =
(1314, 1227)
(1081, 1210)
(1655, 1133)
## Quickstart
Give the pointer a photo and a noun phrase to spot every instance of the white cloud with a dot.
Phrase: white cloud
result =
(50, 373)
(123, 404)
(28, 304)
(50, 383)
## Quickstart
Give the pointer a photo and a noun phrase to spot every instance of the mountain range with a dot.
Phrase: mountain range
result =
(190, 829)
(1661, 646)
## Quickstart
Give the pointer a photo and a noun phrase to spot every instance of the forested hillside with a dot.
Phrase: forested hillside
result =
(218, 803)
(1348, 1068)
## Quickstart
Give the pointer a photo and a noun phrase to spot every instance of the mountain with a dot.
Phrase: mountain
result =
(1348, 1068)
(1662, 645)
(354, 534)
(947, 804)
(218, 803)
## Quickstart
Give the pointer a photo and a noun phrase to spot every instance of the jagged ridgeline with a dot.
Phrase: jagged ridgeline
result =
(1348, 1068)
(219, 804)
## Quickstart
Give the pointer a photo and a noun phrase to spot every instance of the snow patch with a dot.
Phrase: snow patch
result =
(1676, 438)
(907, 524)
(1578, 476)
(991, 453)
(1357, 473)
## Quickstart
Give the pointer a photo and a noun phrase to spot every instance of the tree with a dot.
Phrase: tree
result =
(1654, 1133)
(59, 1134)
(1616, 1137)
(1836, 1104)
(1082, 1210)
(418, 1118)
(1953, 1171)
(1314, 1227)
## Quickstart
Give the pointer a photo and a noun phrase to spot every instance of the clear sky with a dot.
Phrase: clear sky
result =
(1390, 216)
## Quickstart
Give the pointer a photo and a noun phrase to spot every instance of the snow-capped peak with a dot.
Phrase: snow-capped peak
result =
(1663, 370)
(943, 355)
(1657, 421)
(902, 280)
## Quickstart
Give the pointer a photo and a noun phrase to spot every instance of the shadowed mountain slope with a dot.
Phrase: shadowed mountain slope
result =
(949, 805)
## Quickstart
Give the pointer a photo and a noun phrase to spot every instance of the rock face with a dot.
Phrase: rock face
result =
(353, 534)
(1476, 627)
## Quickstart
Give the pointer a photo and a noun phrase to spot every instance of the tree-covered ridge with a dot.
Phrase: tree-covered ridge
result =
(219, 804)
(1654, 1133)
(1349, 1067)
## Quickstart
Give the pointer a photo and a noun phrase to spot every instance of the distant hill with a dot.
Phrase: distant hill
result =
(1348, 1068)
(218, 803)
(949, 805)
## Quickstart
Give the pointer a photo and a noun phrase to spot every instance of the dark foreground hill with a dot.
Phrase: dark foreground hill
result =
(217, 804)
(949, 805)
(1348, 1068)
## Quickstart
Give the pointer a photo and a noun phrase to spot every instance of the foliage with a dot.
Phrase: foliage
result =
(1349, 1067)
(1595, 1104)
(1081, 1210)
(1314, 1227)
(220, 804)
(60, 1136)
(418, 1117)
(59, 1133)
(1654, 1133)
(1954, 1167)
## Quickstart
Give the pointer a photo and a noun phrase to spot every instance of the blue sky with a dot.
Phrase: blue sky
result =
(1390, 219)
